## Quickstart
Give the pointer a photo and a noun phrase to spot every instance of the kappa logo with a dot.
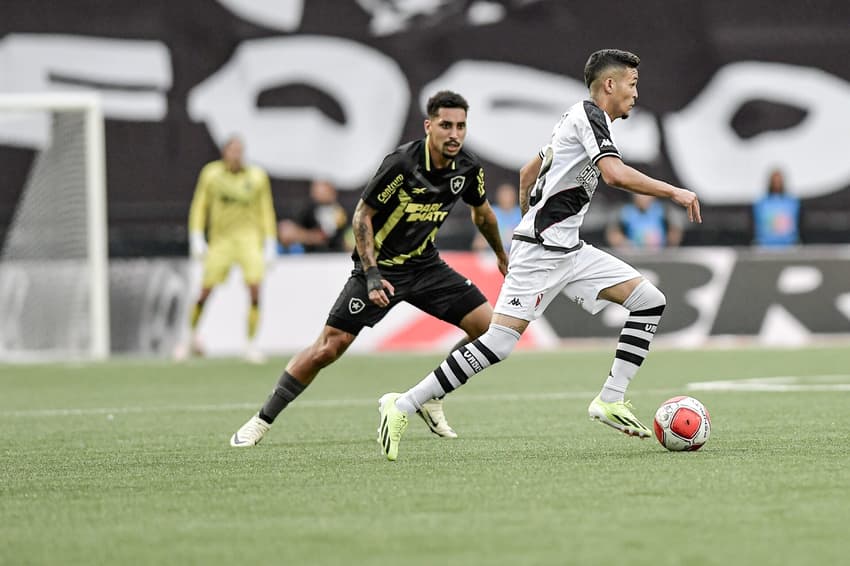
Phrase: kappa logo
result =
(456, 183)
(356, 305)
(606, 143)
(515, 302)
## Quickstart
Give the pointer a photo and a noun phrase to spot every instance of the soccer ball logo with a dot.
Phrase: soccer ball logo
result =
(682, 423)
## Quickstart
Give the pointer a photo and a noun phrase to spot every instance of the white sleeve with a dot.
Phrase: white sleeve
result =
(594, 134)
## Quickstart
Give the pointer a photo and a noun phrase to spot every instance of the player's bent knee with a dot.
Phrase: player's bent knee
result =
(499, 341)
(655, 297)
(329, 348)
(476, 322)
(661, 297)
(645, 296)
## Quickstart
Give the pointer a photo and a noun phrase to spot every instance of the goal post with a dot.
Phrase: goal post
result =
(55, 250)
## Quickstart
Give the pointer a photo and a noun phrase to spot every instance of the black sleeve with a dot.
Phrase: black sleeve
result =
(307, 217)
(474, 193)
(602, 136)
(386, 182)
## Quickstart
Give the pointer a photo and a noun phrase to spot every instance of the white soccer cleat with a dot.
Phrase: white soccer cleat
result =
(185, 350)
(433, 415)
(251, 433)
(254, 356)
(196, 347)
(181, 352)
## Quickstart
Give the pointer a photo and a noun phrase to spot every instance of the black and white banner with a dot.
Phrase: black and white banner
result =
(325, 88)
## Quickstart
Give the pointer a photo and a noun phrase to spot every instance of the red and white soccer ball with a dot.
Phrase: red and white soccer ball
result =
(682, 423)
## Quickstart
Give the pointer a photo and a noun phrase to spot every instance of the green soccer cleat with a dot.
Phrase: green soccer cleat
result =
(393, 425)
(618, 415)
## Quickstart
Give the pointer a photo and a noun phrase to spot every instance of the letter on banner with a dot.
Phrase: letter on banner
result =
(47, 62)
(282, 15)
(303, 142)
(710, 158)
(514, 107)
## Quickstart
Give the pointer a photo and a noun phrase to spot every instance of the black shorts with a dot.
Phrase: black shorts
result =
(435, 288)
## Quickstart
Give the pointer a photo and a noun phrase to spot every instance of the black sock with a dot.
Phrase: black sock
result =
(286, 390)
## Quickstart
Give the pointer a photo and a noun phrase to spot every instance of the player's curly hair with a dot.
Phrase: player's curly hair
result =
(445, 99)
(605, 58)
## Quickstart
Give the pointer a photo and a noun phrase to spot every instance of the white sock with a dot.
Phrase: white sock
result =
(490, 348)
(646, 304)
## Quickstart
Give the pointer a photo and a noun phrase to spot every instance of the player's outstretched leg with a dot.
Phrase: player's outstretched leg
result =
(285, 391)
(646, 305)
(393, 424)
(492, 347)
(434, 416)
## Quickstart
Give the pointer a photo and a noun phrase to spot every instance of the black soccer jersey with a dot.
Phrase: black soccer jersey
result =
(413, 200)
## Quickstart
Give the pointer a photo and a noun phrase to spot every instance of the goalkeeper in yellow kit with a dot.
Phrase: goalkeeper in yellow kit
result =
(233, 206)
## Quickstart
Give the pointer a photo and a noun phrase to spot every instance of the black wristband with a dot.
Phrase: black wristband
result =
(373, 280)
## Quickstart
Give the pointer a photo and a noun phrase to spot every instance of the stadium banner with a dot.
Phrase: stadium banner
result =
(714, 295)
(324, 89)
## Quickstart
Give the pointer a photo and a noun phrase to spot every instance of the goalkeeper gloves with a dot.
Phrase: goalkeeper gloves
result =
(270, 250)
(197, 245)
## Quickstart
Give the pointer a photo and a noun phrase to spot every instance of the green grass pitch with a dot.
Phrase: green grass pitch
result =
(128, 462)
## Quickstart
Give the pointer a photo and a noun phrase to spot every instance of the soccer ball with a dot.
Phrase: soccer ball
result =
(682, 423)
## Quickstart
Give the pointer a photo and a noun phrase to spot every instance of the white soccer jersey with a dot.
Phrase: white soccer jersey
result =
(568, 177)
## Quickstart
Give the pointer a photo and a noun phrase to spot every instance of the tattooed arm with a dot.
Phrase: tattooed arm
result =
(364, 239)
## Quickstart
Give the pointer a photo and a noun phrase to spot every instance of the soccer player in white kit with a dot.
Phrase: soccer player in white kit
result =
(548, 257)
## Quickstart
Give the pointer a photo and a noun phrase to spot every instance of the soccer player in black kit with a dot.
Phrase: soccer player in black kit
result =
(395, 224)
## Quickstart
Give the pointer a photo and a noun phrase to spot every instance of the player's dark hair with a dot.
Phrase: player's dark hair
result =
(606, 58)
(445, 99)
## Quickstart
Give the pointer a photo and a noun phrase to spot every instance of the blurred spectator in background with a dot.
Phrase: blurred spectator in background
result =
(645, 223)
(233, 206)
(776, 216)
(508, 215)
(320, 227)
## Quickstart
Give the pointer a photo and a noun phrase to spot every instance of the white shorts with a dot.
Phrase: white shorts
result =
(536, 276)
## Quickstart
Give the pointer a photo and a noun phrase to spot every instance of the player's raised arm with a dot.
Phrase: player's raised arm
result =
(615, 173)
(364, 240)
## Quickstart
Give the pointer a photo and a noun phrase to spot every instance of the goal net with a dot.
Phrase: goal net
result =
(54, 296)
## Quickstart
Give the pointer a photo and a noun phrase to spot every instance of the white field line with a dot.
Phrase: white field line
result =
(774, 384)
(777, 384)
(305, 404)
